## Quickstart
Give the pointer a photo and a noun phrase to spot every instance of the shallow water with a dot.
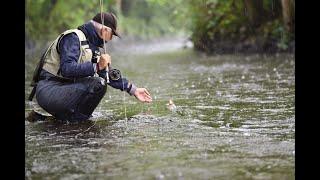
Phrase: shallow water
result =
(235, 119)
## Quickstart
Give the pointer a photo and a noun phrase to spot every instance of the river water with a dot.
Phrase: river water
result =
(235, 119)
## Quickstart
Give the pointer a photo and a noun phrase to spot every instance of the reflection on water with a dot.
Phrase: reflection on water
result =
(234, 119)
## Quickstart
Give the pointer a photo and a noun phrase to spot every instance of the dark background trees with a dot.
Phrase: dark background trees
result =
(214, 26)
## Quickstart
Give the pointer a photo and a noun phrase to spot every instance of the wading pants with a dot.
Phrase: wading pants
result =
(71, 101)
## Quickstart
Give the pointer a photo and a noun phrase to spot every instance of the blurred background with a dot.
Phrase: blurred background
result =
(212, 25)
(227, 65)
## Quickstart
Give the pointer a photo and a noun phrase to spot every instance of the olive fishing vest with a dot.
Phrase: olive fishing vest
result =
(52, 55)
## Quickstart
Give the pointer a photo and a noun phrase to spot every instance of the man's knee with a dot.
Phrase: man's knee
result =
(97, 85)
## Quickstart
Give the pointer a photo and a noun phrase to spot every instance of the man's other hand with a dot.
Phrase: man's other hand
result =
(143, 95)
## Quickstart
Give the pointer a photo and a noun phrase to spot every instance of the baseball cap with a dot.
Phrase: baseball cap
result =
(109, 20)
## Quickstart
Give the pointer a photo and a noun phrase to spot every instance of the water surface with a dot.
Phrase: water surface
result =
(235, 119)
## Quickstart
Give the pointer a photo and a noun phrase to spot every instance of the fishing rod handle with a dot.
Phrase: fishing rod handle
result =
(107, 74)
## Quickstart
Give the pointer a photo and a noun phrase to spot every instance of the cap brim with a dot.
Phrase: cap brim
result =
(116, 34)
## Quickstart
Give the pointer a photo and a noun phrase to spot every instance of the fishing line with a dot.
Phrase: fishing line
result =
(104, 42)
(76, 136)
(105, 51)
(124, 100)
(102, 20)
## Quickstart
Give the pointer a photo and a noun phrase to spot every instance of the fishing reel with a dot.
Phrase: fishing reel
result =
(114, 74)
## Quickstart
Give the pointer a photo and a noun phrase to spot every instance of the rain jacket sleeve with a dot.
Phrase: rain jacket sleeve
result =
(122, 84)
(69, 54)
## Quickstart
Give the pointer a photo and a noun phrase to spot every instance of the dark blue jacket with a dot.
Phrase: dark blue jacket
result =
(69, 49)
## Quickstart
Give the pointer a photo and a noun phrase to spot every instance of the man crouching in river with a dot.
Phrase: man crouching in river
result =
(73, 78)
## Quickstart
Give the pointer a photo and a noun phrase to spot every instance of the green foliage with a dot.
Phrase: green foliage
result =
(208, 22)
(143, 18)
(214, 21)
(215, 18)
(45, 19)
(152, 18)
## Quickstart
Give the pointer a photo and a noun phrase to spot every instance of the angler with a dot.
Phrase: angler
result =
(73, 73)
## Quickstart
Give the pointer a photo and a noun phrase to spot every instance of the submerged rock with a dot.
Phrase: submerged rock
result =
(34, 116)
(39, 116)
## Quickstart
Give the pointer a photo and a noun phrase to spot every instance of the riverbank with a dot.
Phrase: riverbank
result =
(255, 45)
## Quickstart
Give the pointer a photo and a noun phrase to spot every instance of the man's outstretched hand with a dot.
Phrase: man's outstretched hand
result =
(142, 95)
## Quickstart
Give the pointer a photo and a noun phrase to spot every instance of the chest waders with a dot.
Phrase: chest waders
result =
(50, 59)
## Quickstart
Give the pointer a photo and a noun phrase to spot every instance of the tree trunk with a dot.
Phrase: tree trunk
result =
(113, 7)
(118, 6)
(125, 7)
(255, 12)
(288, 14)
(275, 9)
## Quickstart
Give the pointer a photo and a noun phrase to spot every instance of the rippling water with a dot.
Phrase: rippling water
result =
(235, 119)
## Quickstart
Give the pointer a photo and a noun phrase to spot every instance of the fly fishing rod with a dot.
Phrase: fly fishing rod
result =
(115, 73)
(104, 42)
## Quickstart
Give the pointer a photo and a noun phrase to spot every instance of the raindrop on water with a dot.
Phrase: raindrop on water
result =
(291, 63)
(160, 176)
(267, 75)
(278, 75)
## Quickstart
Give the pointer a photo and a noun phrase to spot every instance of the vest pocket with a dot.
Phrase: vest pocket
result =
(86, 55)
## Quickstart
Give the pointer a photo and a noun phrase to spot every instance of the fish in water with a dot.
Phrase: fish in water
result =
(176, 109)
(171, 106)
